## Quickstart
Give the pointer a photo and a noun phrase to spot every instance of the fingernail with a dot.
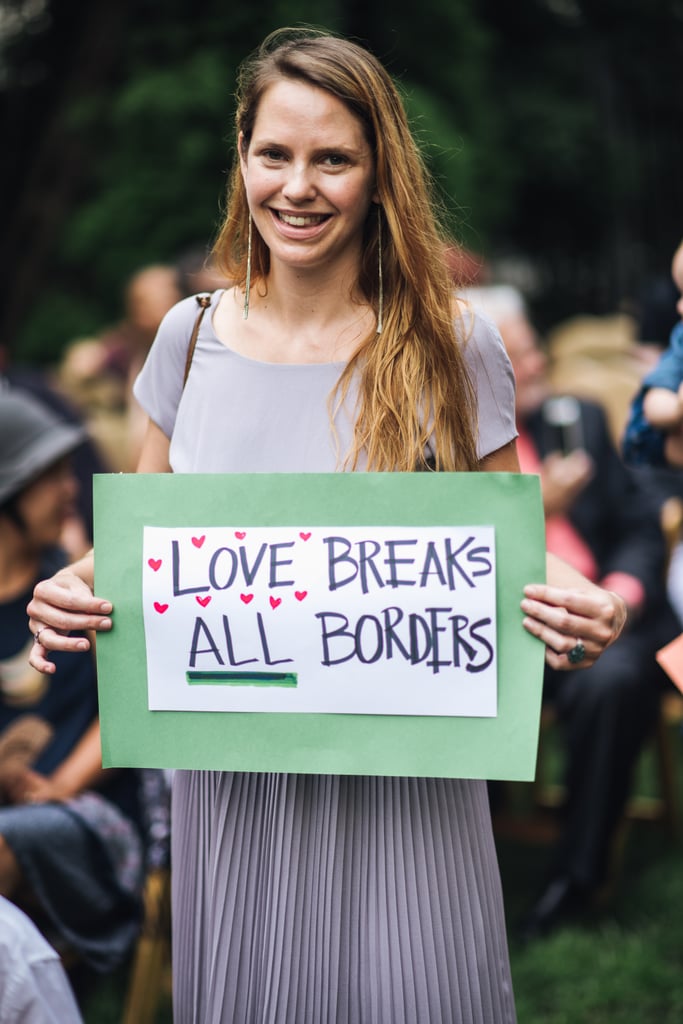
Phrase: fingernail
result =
(106, 607)
(83, 645)
(105, 624)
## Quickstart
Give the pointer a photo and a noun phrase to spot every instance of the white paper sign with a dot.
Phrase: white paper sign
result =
(351, 620)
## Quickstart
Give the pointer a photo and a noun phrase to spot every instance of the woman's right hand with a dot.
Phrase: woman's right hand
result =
(60, 605)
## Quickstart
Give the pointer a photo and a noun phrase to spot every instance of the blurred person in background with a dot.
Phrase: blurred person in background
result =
(652, 441)
(71, 852)
(654, 434)
(148, 295)
(97, 373)
(34, 987)
(87, 459)
(602, 521)
(197, 272)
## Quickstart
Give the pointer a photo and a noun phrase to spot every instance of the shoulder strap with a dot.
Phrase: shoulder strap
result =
(203, 301)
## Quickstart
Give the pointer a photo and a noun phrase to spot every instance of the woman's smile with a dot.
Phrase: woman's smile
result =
(309, 174)
(299, 226)
(301, 220)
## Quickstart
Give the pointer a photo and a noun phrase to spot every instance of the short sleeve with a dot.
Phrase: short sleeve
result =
(159, 385)
(494, 384)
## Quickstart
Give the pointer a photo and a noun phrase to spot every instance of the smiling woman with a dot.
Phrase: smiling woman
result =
(339, 347)
(322, 131)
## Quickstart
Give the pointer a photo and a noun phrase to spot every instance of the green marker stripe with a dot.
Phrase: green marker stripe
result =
(217, 678)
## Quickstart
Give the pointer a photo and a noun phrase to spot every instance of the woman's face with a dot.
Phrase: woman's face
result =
(46, 504)
(309, 175)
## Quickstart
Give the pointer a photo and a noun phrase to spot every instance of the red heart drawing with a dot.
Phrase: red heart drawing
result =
(275, 601)
(203, 601)
(161, 608)
(246, 598)
(198, 541)
(240, 534)
(300, 594)
(154, 563)
(305, 536)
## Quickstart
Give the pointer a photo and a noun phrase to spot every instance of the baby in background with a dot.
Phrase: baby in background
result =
(662, 390)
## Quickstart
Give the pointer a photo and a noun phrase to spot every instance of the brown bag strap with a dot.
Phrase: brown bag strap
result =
(203, 301)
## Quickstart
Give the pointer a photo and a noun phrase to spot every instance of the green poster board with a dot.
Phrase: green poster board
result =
(501, 746)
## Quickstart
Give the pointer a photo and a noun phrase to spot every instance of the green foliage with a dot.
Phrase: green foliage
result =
(158, 169)
(552, 128)
(458, 164)
(64, 313)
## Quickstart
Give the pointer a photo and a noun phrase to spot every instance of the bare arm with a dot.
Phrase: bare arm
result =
(81, 770)
(663, 408)
(568, 607)
(65, 603)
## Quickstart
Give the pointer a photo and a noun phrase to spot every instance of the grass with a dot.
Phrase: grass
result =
(623, 966)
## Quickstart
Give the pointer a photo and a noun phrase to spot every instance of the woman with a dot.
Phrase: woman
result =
(308, 898)
(70, 849)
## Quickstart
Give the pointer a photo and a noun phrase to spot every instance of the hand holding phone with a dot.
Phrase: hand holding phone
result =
(562, 423)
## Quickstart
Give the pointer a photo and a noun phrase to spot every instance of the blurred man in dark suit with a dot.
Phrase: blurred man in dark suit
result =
(599, 518)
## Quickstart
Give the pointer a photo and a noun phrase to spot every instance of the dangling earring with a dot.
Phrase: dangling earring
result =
(380, 295)
(247, 283)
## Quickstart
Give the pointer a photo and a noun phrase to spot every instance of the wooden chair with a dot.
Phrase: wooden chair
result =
(150, 976)
(662, 807)
(150, 973)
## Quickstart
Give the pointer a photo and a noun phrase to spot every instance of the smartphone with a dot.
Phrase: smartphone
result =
(562, 423)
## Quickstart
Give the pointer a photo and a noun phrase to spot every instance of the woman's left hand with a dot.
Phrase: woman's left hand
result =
(576, 624)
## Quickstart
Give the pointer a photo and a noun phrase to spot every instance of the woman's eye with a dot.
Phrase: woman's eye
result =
(335, 160)
(274, 155)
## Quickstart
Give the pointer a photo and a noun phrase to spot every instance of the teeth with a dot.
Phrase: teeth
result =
(300, 221)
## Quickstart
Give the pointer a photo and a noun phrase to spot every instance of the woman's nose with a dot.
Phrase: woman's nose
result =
(300, 183)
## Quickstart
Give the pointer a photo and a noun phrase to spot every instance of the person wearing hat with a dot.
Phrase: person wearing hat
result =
(69, 830)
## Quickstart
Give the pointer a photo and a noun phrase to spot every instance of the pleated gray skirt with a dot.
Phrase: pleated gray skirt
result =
(308, 899)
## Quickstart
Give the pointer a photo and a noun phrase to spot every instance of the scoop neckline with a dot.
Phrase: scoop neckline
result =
(217, 295)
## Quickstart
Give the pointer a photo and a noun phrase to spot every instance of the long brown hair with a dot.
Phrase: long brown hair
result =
(414, 394)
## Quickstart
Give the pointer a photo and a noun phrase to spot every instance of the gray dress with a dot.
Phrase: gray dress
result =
(308, 899)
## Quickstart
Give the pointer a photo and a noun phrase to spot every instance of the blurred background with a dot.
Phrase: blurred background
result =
(554, 132)
(553, 129)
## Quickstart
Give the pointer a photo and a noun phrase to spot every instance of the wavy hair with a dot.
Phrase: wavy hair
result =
(416, 406)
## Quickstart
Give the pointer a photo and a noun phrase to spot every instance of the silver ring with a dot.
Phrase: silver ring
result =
(36, 635)
(577, 653)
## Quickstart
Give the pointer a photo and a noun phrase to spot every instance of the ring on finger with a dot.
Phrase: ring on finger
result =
(577, 653)
(36, 635)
